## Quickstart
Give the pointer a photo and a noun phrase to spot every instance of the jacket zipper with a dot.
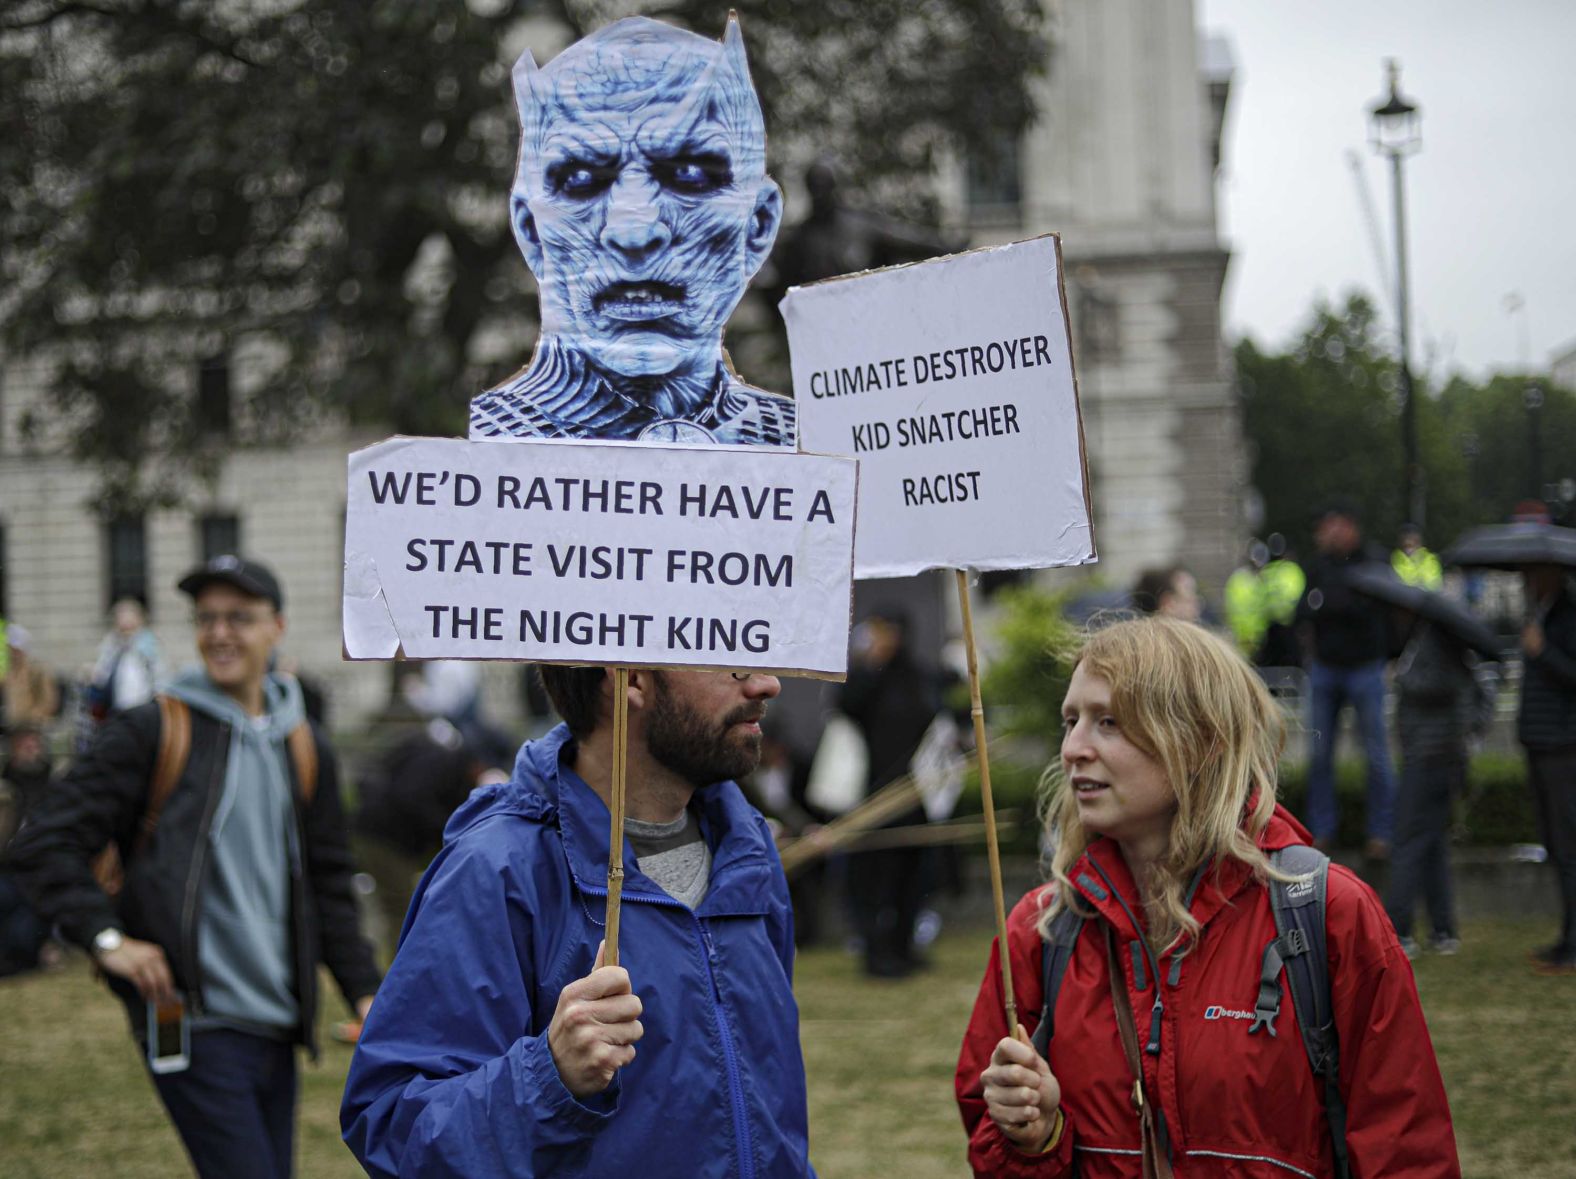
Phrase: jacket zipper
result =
(1152, 1048)
(194, 875)
(724, 1028)
(736, 1087)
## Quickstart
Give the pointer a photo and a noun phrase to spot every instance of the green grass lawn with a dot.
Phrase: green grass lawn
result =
(74, 1101)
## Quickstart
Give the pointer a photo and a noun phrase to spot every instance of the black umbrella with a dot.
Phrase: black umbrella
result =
(1445, 613)
(1512, 546)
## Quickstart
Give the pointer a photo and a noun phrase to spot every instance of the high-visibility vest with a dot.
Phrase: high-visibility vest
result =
(1245, 609)
(1284, 582)
(1420, 568)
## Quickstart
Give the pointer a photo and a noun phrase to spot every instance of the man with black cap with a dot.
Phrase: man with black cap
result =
(222, 803)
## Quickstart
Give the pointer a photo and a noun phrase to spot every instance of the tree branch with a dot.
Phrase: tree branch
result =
(159, 15)
(59, 12)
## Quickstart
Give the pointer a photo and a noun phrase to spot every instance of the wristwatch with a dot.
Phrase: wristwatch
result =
(107, 941)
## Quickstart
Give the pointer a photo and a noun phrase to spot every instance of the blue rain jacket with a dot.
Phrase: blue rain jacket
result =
(452, 1075)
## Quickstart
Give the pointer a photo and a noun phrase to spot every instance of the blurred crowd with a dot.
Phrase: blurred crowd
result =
(1327, 635)
(865, 825)
(1419, 660)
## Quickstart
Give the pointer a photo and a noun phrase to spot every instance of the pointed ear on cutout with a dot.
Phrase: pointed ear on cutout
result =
(765, 220)
(528, 100)
(524, 226)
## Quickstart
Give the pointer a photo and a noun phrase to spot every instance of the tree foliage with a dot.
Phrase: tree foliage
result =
(1028, 674)
(321, 186)
(1324, 419)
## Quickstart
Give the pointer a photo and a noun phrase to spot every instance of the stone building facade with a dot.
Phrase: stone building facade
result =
(1122, 163)
(62, 562)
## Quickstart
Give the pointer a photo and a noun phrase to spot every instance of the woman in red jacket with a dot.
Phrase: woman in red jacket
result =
(1163, 816)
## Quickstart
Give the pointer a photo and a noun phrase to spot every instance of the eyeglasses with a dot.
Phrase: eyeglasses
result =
(237, 620)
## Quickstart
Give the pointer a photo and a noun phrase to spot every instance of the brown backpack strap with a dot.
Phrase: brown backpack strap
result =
(175, 746)
(303, 755)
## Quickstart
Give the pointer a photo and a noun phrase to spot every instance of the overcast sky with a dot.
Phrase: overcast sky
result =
(1491, 197)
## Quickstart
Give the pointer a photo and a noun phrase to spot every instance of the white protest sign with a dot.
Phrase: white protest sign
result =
(952, 383)
(600, 553)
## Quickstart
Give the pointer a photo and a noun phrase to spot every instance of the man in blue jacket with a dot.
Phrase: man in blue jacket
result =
(501, 1045)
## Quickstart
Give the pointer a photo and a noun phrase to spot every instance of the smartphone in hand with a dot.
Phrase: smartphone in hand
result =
(169, 1037)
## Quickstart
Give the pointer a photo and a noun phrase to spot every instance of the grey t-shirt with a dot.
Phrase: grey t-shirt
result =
(673, 854)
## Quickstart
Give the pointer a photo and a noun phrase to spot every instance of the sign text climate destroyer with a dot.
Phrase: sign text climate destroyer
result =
(952, 383)
(599, 553)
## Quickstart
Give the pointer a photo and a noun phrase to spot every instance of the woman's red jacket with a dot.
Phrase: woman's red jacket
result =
(1236, 1105)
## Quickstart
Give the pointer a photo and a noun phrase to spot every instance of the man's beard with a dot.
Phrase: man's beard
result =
(698, 751)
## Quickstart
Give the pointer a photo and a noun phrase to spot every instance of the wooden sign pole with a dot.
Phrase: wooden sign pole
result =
(615, 859)
(987, 803)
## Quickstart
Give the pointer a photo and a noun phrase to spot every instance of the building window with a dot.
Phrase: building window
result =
(994, 177)
(127, 541)
(218, 536)
(213, 396)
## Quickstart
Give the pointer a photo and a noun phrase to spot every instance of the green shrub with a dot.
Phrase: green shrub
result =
(1027, 678)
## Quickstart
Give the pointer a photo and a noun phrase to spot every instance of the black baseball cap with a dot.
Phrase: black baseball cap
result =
(247, 576)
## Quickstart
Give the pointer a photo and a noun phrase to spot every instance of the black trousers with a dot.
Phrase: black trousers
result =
(1420, 856)
(234, 1108)
(22, 934)
(886, 889)
(1552, 776)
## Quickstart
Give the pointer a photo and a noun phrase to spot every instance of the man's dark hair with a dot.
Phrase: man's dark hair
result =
(1153, 584)
(574, 692)
(1339, 505)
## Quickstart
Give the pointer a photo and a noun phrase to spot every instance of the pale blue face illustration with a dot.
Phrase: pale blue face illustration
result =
(641, 201)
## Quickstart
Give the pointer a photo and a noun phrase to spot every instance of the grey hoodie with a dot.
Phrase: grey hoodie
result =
(244, 948)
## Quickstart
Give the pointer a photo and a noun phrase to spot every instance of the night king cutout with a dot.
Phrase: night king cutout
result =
(643, 208)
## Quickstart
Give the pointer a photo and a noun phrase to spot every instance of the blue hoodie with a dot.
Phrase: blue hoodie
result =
(453, 1076)
(243, 927)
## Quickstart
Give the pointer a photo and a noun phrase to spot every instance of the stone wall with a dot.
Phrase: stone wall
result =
(1121, 164)
(290, 502)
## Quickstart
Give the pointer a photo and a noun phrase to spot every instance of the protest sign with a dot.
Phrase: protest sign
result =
(599, 553)
(952, 383)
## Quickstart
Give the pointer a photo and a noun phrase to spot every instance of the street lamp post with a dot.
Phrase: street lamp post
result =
(1532, 398)
(1393, 131)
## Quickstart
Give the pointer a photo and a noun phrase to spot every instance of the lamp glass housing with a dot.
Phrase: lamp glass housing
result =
(1395, 122)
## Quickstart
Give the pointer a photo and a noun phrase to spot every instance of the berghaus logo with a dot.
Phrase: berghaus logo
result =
(1217, 1012)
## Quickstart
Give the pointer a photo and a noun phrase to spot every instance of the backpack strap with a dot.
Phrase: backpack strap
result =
(1301, 948)
(303, 756)
(1055, 954)
(175, 746)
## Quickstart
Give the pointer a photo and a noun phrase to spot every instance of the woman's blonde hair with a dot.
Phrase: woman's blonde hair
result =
(1187, 699)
